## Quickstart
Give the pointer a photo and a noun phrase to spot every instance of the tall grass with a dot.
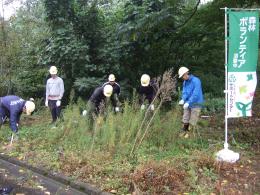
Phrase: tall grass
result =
(114, 133)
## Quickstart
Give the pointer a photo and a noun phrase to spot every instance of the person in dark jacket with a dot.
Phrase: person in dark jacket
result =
(116, 91)
(192, 99)
(95, 101)
(147, 91)
(12, 107)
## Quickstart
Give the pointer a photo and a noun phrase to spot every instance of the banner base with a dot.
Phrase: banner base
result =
(227, 155)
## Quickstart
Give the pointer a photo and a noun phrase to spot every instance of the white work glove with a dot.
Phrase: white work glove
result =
(181, 102)
(46, 103)
(186, 105)
(152, 107)
(117, 109)
(84, 113)
(58, 103)
(142, 107)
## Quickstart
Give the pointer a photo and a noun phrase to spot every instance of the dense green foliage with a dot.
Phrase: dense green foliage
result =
(87, 40)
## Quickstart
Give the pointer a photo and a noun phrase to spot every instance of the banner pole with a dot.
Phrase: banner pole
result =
(226, 82)
(226, 154)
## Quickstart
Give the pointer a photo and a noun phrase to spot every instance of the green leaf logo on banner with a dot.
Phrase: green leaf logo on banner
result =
(243, 107)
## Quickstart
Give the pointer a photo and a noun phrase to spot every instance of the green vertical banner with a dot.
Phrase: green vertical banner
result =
(242, 62)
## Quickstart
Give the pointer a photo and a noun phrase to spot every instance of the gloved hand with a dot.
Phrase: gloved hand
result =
(142, 107)
(46, 103)
(152, 107)
(58, 103)
(186, 105)
(6, 190)
(117, 109)
(181, 102)
(84, 113)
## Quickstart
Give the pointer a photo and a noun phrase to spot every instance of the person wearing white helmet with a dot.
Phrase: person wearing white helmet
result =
(99, 96)
(12, 107)
(147, 91)
(116, 91)
(54, 93)
(192, 99)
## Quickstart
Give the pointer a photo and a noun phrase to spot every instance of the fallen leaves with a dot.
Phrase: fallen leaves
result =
(157, 177)
(235, 178)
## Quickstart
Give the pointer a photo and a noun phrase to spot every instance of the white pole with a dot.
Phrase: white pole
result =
(226, 82)
(226, 154)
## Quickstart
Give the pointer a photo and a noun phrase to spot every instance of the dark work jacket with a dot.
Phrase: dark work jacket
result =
(116, 87)
(116, 93)
(98, 96)
(148, 93)
(12, 107)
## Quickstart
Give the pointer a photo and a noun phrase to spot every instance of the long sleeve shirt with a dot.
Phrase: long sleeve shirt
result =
(98, 96)
(192, 92)
(116, 93)
(54, 89)
(14, 106)
(116, 87)
(148, 93)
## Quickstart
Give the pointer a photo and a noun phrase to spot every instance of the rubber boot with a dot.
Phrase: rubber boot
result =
(185, 127)
(184, 131)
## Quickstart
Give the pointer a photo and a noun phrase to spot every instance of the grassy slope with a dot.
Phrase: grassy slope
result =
(164, 162)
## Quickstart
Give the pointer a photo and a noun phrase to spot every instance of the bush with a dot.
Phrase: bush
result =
(213, 105)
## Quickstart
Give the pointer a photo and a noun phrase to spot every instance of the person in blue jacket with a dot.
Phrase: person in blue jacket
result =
(192, 99)
(12, 107)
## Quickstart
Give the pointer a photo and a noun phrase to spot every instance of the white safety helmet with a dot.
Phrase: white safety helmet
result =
(182, 71)
(53, 70)
(145, 80)
(29, 106)
(111, 78)
(108, 90)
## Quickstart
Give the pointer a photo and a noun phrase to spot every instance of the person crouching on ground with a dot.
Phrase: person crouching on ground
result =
(12, 107)
(192, 100)
(147, 91)
(116, 91)
(96, 101)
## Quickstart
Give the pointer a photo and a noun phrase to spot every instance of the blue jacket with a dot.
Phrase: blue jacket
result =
(13, 106)
(192, 92)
